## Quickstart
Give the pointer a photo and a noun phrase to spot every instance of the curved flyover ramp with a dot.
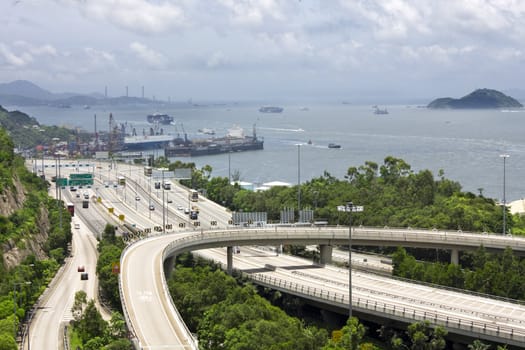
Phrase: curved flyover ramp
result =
(156, 323)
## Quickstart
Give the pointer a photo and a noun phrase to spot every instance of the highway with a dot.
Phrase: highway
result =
(154, 320)
(54, 308)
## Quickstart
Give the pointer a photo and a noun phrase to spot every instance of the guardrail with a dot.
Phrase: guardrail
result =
(194, 345)
(239, 236)
(491, 331)
(134, 338)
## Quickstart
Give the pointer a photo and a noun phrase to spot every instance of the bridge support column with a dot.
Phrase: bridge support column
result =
(168, 267)
(326, 253)
(229, 259)
(454, 256)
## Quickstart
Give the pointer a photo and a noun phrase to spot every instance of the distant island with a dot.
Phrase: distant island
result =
(479, 99)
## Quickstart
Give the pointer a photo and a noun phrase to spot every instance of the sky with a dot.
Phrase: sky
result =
(265, 50)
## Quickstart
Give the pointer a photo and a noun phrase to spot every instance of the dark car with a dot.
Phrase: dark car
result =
(84, 276)
(81, 268)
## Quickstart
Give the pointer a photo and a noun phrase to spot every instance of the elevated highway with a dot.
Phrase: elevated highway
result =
(153, 317)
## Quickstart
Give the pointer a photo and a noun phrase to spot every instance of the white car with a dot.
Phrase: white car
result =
(77, 226)
(180, 207)
(186, 210)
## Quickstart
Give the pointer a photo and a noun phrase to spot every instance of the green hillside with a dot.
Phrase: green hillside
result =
(479, 99)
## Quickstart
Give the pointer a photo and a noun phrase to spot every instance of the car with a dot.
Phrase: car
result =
(186, 210)
(180, 207)
(77, 226)
(84, 276)
(137, 198)
(151, 207)
(72, 188)
(170, 201)
(106, 185)
(78, 195)
(81, 268)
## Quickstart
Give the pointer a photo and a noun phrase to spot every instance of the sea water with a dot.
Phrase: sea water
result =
(465, 144)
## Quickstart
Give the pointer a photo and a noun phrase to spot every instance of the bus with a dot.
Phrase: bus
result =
(71, 208)
(148, 171)
(194, 196)
(121, 180)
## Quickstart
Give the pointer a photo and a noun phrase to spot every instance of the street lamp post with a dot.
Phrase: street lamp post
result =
(299, 181)
(14, 302)
(163, 205)
(504, 156)
(229, 167)
(350, 207)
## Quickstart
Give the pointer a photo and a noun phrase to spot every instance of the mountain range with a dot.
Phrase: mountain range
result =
(26, 93)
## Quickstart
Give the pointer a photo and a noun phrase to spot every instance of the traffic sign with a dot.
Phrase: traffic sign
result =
(159, 174)
(353, 208)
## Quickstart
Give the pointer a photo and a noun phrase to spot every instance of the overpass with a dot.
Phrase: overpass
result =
(155, 322)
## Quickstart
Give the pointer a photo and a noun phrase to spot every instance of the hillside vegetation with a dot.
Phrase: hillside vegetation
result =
(34, 244)
(481, 98)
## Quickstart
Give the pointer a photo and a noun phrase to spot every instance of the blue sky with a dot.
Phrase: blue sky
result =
(277, 50)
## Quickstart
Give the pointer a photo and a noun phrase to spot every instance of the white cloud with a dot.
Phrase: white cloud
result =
(217, 59)
(13, 59)
(148, 55)
(134, 15)
(26, 53)
(99, 56)
(252, 12)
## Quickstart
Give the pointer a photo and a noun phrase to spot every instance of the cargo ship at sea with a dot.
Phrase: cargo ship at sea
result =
(146, 142)
(160, 118)
(234, 141)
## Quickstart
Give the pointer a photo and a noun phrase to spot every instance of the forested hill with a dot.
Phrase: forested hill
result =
(26, 133)
(481, 98)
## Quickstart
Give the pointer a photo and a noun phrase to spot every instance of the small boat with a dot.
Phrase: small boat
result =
(334, 145)
(207, 131)
(309, 142)
(380, 110)
(270, 109)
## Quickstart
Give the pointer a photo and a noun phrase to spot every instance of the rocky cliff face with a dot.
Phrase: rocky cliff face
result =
(13, 252)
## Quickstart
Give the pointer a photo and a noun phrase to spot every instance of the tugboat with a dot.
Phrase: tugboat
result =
(160, 118)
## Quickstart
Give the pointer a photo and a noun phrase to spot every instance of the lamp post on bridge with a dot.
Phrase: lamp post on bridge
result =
(504, 156)
(350, 207)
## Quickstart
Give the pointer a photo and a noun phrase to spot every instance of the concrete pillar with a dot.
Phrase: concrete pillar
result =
(229, 254)
(454, 256)
(326, 254)
(168, 266)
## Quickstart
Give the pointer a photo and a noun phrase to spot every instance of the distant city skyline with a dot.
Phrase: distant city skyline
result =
(266, 50)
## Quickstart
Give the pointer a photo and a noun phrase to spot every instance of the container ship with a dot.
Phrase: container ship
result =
(234, 141)
(160, 118)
